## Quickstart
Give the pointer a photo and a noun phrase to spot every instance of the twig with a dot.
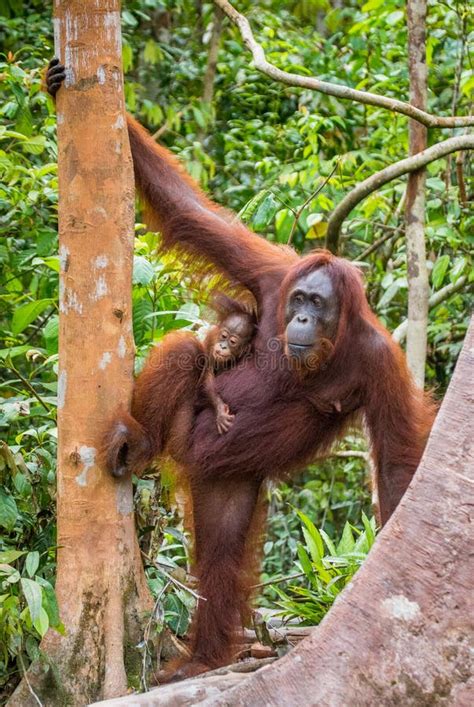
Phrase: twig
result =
(173, 579)
(27, 383)
(28, 684)
(308, 200)
(333, 89)
(393, 171)
(400, 332)
(347, 454)
(208, 83)
(460, 177)
(164, 128)
(279, 580)
(146, 637)
(380, 241)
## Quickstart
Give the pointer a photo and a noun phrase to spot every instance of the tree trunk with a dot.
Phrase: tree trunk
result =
(213, 52)
(418, 289)
(100, 585)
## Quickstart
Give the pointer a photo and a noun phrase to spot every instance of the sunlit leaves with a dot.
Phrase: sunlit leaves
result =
(143, 271)
(327, 567)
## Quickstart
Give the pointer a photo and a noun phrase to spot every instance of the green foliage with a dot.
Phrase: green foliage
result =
(331, 493)
(326, 566)
(262, 149)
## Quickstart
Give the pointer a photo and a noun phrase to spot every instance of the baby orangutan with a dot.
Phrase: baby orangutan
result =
(128, 447)
(224, 345)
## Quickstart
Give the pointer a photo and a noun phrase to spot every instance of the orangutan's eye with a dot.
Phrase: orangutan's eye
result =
(299, 299)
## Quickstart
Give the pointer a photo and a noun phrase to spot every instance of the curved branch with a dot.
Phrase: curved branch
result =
(334, 89)
(436, 298)
(393, 171)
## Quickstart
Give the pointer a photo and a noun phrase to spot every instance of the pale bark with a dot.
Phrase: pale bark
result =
(214, 42)
(210, 74)
(399, 334)
(417, 272)
(333, 89)
(100, 585)
(195, 690)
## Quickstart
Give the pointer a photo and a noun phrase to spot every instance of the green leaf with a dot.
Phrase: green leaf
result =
(51, 262)
(199, 117)
(8, 510)
(27, 313)
(369, 530)
(129, 18)
(14, 351)
(346, 543)
(50, 603)
(265, 212)
(143, 272)
(283, 224)
(328, 542)
(41, 623)
(127, 57)
(32, 562)
(439, 271)
(389, 294)
(51, 334)
(313, 538)
(394, 17)
(457, 269)
(152, 52)
(10, 555)
(33, 596)
(372, 5)
(189, 312)
(34, 145)
(305, 561)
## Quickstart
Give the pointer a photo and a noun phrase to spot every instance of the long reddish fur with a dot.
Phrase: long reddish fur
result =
(283, 419)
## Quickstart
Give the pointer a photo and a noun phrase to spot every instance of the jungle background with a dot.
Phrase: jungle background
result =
(262, 149)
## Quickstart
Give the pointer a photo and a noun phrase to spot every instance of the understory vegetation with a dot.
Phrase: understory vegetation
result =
(264, 150)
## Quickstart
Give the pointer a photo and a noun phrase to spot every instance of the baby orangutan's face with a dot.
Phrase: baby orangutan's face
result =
(233, 336)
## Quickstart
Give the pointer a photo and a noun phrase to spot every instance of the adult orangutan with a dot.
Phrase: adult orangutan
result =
(321, 363)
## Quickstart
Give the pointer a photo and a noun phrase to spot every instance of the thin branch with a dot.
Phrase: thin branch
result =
(349, 453)
(308, 200)
(436, 298)
(28, 684)
(393, 171)
(392, 233)
(208, 83)
(460, 178)
(278, 580)
(146, 637)
(27, 384)
(333, 89)
(172, 579)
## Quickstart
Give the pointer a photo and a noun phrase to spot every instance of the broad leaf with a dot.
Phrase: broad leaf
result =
(32, 562)
(33, 596)
(8, 510)
(27, 313)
